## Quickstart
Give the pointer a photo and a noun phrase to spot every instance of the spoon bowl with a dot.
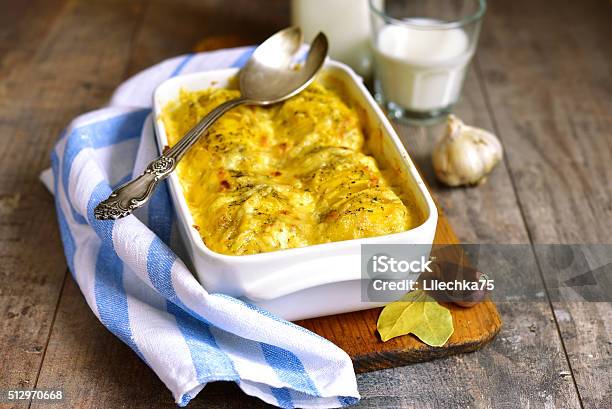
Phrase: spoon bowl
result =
(269, 76)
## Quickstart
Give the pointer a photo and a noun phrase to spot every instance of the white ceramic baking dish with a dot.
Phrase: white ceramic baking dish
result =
(304, 282)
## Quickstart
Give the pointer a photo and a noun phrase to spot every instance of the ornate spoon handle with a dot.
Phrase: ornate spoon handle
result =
(135, 193)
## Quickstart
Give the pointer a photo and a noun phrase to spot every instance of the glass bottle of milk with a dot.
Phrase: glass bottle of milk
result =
(422, 51)
(346, 23)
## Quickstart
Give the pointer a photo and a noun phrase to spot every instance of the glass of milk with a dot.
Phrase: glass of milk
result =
(422, 49)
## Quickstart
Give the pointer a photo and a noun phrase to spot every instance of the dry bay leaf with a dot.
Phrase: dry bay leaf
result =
(419, 314)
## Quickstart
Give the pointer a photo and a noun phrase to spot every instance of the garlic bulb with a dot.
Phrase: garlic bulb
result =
(465, 155)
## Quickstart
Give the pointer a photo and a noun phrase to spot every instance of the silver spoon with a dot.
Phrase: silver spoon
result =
(268, 77)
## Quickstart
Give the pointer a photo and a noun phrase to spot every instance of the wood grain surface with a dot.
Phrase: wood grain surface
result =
(541, 80)
(49, 72)
(555, 120)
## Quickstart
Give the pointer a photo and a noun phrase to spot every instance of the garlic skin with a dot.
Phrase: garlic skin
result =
(466, 154)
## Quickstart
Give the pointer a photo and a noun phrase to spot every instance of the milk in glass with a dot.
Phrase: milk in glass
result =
(421, 69)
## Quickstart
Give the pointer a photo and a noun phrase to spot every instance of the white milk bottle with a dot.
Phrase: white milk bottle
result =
(346, 23)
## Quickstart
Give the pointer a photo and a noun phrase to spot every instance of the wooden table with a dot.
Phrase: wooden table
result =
(541, 80)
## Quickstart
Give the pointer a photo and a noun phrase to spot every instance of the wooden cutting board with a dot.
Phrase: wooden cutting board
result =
(355, 332)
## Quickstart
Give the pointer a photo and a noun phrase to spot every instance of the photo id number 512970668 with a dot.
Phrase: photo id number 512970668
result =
(38, 395)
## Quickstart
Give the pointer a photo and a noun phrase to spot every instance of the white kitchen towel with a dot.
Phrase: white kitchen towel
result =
(140, 289)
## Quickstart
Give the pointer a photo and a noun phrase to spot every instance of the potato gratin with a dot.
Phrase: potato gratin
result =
(290, 175)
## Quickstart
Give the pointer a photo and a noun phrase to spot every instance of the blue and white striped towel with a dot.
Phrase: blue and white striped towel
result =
(140, 289)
